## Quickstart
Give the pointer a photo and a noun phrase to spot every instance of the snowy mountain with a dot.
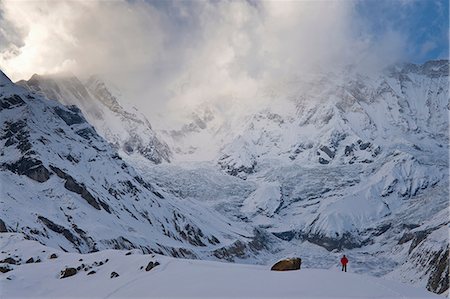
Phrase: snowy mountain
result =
(349, 162)
(328, 163)
(66, 187)
(125, 128)
(129, 274)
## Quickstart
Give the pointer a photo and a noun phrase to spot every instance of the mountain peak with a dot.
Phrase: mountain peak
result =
(4, 80)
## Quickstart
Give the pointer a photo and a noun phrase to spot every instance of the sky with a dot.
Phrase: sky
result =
(170, 54)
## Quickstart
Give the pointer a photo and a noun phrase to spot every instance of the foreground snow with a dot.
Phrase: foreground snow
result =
(175, 277)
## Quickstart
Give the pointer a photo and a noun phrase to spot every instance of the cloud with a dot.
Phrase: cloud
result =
(167, 55)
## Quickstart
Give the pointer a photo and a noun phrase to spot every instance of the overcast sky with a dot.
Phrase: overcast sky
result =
(167, 53)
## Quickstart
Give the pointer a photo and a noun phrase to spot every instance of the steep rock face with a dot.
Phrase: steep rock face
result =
(65, 186)
(129, 131)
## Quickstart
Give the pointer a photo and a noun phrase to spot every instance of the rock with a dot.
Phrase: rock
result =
(2, 227)
(9, 260)
(30, 167)
(151, 265)
(68, 272)
(53, 256)
(287, 264)
(323, 161)
(5, 268)
(114, 274)
(30, 260)
(91, 272)
(69, 117)
(128, 253)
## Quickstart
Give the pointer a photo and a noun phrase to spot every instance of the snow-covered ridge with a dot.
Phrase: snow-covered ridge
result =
(343, 161)
(65, 186)
(352, 164)
(129, 131)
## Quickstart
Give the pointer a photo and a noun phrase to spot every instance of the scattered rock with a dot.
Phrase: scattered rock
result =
(9, 260)
(151, 265)
(53, 256)
(287, 264)
(114, 274)
(68, 272)
(30, 260)
(91, 272)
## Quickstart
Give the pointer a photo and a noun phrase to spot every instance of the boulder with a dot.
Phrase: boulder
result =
(53, 256)
(151, 265)
(9, 260)
(68, 272)
(114, 274)
(287, 264)
(5, 268)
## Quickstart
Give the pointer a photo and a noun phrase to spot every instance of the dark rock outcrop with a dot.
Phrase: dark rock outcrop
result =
(114, 274)
(11, 102)
(60, 230)
(439, 279)
(151, 265)
(30, 167)
(69, 117)
(3, 228)
(72, 185)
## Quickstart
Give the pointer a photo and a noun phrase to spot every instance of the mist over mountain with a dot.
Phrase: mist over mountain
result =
(139, 136)
(357, 166)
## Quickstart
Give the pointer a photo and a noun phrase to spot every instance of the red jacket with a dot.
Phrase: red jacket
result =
(344, 261)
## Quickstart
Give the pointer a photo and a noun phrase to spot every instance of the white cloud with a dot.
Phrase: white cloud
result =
(183, 53)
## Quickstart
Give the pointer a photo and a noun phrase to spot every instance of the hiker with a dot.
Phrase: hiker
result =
(344, 262)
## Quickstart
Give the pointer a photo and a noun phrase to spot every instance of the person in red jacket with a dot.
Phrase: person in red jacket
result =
(344, 262)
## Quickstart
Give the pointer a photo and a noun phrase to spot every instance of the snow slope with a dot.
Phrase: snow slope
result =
(65, 186)
(116, 121)
(175, 278)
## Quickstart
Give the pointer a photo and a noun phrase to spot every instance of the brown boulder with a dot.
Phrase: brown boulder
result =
(68, 272)
(5, 268)
(287, 264)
